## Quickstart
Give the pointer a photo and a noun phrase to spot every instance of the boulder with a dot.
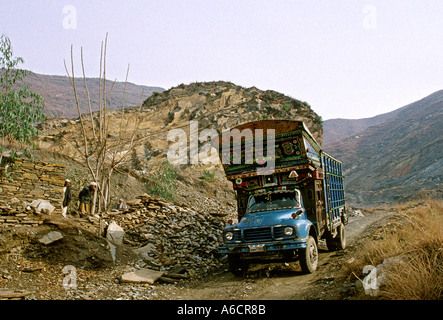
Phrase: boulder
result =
(51, 237)
(142, 276)
(13, 294)
(357, 213)
(133, 202)
(42, 206)
(145, 250)
(115, 233)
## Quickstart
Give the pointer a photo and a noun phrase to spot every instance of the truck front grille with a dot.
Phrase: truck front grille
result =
(237, 235)
(278, 232)
(258, 234)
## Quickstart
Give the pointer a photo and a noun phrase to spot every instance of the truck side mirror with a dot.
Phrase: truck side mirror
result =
(293, 215)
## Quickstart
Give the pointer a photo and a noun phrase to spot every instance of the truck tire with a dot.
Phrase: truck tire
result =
(236, 266)
(339, 242)
(309, 256)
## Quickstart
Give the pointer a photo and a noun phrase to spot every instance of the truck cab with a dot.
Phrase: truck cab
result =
(284, 213)
(275, 226)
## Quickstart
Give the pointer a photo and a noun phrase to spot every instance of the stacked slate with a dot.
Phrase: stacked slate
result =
(168, 236)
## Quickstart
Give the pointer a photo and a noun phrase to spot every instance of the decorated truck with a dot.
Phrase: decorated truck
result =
(289, 194)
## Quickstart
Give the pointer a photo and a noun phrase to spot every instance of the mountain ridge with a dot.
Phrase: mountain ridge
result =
(398, 158)
(58, 94)
(339, 128)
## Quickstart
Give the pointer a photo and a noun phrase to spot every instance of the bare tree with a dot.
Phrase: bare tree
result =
(103, 156)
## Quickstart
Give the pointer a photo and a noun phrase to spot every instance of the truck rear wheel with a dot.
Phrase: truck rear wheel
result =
(236, 266)
(309, 256)
(339, 242)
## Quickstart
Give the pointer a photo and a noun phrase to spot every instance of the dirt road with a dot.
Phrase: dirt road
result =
(285, 281)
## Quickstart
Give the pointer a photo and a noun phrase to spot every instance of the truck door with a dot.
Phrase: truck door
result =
(242, 200)
(309, 202)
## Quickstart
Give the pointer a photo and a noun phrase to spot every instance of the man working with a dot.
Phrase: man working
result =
(85, 197)
(121, 205)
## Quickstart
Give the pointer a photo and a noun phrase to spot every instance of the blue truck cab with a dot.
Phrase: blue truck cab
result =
(283, 213)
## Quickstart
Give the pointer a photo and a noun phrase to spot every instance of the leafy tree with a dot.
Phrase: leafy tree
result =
(20, 109)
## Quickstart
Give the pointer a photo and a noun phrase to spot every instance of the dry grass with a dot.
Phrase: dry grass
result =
(415, 236)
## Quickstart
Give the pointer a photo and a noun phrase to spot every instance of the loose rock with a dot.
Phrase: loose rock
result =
(51, 237)
(142, 276)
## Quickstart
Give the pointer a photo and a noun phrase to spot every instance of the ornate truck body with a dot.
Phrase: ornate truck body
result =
(284, 209)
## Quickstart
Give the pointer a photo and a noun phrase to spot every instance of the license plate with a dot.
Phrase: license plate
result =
(257, 248)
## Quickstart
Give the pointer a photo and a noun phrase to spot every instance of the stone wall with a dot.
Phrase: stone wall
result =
(28, 181)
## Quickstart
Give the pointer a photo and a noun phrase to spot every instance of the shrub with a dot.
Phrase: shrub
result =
(162, 183)
(415, 236)
(318, 119)
(208, 176)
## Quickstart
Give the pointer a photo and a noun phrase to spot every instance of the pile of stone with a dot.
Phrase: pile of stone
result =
(20, 219)
(169, 237)
(30, 180)
(23, 213)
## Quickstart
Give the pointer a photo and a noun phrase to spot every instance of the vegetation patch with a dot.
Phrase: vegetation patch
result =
(208, 176)
(162, 183)
(408, 254)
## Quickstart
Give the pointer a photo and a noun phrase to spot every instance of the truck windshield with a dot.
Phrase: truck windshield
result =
(273, 201)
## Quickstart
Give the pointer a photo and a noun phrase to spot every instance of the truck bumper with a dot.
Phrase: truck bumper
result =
(271, 247)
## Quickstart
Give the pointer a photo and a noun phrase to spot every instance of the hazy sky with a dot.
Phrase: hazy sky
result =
(347, 59)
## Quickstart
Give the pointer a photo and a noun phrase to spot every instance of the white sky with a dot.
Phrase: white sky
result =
(347, 59)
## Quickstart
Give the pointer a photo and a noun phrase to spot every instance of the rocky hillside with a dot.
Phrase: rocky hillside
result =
(222, 105)
(397, 159)
(59, 97)
(215, 105)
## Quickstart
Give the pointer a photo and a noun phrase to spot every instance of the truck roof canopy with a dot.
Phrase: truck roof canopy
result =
(246, 147)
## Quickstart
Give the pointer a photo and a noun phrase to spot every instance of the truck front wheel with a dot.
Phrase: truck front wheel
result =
(309, 256)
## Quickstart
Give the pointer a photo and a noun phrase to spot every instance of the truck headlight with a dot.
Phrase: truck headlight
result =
(288, 231)
(229, 236)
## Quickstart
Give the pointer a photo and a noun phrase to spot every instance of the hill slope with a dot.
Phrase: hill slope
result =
(215, 105)
(398, 158)
(59, 97)
(221, 105)
(336, 129)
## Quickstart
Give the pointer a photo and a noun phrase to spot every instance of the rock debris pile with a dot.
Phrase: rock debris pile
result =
(23, 213)
(168, 237)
